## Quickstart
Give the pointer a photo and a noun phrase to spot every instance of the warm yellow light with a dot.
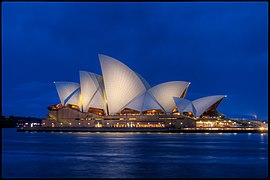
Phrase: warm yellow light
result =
(261, 128)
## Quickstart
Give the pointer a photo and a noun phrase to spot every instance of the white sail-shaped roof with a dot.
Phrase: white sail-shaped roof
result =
(122, 84)
(75, 99)
(202, 104)
(165, 92)
(137, 103)
(144, 102)
(92, 92)
(150, 103)
(97, 101)
(66, 90)
(184, 105)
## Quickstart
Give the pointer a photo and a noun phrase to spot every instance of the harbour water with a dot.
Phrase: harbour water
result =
(133, 155)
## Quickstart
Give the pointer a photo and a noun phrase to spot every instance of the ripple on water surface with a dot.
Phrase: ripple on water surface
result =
(134, 155)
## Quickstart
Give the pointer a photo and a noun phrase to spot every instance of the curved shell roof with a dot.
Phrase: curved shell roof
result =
(91, 90)
(150, 103)
(137, 103)
(144, 102)
(75, 99)
(165, 92)
(120, 87)
(122, 84)
(66, 90)
(184, 105)
(202, 104)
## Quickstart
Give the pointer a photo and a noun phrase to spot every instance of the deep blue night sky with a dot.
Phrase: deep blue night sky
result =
(221, 48)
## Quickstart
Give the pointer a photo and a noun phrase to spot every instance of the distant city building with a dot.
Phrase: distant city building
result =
(123, 98)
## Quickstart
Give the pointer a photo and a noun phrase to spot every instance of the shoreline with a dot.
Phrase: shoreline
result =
(145, 130)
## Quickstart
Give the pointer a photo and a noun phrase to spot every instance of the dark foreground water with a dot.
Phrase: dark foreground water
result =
(133, 155)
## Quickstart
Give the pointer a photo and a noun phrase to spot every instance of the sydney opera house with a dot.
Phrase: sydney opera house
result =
(123, 98)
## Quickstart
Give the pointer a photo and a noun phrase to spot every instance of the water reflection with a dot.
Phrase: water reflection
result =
(134, 155)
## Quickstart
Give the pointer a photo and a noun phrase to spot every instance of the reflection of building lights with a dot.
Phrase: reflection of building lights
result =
(261, 128)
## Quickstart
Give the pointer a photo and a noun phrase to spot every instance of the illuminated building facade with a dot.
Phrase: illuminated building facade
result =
(123, 98)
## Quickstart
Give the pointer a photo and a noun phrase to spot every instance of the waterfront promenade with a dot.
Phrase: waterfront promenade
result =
(156, 130)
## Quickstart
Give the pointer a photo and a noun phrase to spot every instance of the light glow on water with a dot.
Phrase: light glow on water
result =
(134, 155)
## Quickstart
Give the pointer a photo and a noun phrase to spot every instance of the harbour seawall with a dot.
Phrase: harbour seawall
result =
(154, 130)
